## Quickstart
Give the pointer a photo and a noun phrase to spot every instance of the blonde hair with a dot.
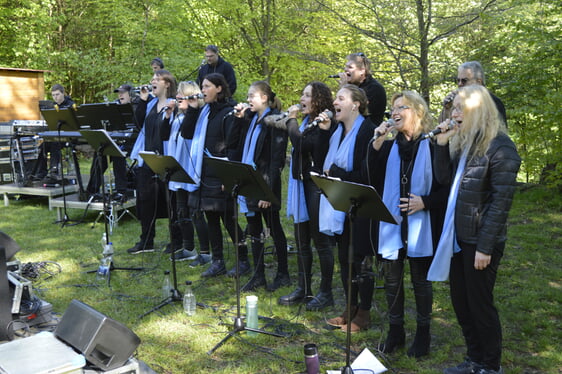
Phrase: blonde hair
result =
(481, 122)
(419, 107)
(190, 88)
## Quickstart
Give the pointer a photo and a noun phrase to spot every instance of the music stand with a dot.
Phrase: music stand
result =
(105, 147)
(58, 120)
(105, 116)
(241, 179)
(357, 200)
(168, 168)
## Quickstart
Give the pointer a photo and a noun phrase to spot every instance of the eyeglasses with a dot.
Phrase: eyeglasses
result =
(457, 108)
(399, 108)
(462, 80)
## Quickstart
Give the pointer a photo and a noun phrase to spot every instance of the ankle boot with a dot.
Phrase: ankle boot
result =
(420, 346)
(320, 301)
(361, 321)
(324, 298)
(303, 290)
(343, 318)
(396, 338)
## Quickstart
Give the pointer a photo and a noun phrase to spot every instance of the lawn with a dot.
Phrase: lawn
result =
(528, 296)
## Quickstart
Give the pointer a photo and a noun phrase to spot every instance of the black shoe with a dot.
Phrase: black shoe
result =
(184, 254)
(171, 248)
(295, 297)
(141, 247)
(422, 340)
(119, 198)
(395, 339)
(466, 367)
(281, 280)
(244, 268)
(489, 371)
(322, 300)
(254, 283)
(202, 259)
(217, 268)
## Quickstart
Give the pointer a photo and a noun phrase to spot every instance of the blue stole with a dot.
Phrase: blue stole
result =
(178, 147)
(248, 153)
(196, 150)
(139, 143)
(420, 240)
(296, 201)
(341, 154)
(441, 264)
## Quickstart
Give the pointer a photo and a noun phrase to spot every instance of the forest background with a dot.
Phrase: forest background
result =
(93, 46)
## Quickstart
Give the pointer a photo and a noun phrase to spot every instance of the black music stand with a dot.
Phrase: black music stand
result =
(168, 168)
(59, 120)
(105, 116)
(357, 200)
(105, 147)
(241, 179)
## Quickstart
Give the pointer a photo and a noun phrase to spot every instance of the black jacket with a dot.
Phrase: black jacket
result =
(269, 156)
(376, 95)
(485, 193)
(210, 195)
(221, 67)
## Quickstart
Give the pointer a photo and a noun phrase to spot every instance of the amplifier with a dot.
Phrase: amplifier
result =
(5, 171)
(28, 126)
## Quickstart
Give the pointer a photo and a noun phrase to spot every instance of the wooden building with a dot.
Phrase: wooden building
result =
(20, 92)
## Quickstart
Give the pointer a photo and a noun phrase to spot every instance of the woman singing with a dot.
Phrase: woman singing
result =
(404, 177)
(482, 163)
(346, 153)
(310, 145)
(263, 147)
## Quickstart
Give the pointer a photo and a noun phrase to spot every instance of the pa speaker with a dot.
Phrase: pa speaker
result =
(104, 342)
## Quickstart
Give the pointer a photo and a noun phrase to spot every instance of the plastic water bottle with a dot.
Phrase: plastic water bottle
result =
(166, 285)
(108, 249)
(189, 302)
(103, 240)
(252, 313)
(102, 275)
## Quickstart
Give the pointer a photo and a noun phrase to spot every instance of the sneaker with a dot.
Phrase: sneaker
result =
(466, 367)
(171, 248)
(202, 259)
(141, 248)
(281, 280)
(184, 254)
(217, 268)
(254, 283)
(244, 268)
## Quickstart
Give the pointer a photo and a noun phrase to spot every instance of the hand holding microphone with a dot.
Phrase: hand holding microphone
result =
(443, 129)
(238, 110)
(292, 111)
(382, 130)
(326, 115)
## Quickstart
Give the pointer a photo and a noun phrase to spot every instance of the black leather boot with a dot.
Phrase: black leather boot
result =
(420, 346)
(303, 290)
(395, 339)
(324, 298)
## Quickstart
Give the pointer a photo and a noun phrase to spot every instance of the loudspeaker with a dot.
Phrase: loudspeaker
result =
(104, 342)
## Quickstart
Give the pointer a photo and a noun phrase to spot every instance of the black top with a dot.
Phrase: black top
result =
(377, 99)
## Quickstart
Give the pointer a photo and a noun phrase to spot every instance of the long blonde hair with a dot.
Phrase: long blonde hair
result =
(190, 88)
(419, 107)
(481, 122)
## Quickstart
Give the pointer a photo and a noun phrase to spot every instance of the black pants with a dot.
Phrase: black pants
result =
(362, 290)
(149, 201)
(99, 166)
(394, 289)
(186, 220)
(473, 301)
(255, 229)
(215, 232)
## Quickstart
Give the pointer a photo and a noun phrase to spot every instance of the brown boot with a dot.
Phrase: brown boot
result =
(342, 319)
(360, 322)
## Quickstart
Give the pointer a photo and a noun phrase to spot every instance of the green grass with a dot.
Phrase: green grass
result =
(528, 296)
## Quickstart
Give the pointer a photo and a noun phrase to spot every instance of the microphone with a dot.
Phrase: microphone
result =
(234, 111)
(316, 121)
(333, 76)
(431, 134)
(389, 123)
(194, 96)
(286, 114)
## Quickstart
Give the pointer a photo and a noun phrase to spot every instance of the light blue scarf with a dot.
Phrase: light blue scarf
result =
(441, 264)
(420, 242)
(248, 153)
(340, 154)
(139, 143)
(296, 201)
(178, 147)
(197, 147)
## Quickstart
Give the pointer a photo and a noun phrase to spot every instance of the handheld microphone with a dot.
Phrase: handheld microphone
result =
(317, 121)
(194, 96)
(286, 114)
(234, 111)
(333, 76)
(431, 134)
(389, 123)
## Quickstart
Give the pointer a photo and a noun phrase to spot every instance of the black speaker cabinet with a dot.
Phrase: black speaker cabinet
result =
(104, 342)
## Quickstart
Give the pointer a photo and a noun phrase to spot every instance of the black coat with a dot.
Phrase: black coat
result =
(269, 156)
(485, 193)
(210, 195)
